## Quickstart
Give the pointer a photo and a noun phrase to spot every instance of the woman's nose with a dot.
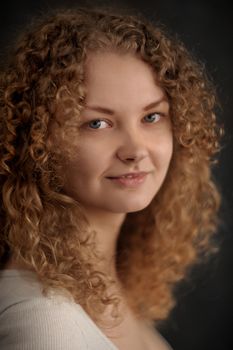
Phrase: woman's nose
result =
(132, 149)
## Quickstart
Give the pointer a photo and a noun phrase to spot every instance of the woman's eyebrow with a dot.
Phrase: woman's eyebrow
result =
(111, 112)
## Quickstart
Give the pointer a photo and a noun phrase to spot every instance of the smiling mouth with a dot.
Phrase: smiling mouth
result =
(129, 180)
(129, 175)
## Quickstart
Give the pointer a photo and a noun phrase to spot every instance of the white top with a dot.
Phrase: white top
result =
(31, 321)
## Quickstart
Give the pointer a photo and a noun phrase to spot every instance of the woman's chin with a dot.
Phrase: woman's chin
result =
(132, 207)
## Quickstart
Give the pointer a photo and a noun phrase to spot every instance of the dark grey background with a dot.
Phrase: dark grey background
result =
(202, 319)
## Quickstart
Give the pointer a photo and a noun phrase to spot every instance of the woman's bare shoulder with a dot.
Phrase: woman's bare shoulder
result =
(154, 339)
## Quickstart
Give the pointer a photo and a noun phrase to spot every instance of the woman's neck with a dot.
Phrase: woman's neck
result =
(107, 228)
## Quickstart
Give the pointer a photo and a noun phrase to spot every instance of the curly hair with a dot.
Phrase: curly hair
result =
(43, 88)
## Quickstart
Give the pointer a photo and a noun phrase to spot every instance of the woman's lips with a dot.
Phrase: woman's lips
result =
(129, 180)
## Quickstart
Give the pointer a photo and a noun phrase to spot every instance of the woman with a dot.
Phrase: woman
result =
(108, 134)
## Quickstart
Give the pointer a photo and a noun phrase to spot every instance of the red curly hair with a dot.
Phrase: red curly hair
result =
(46, 229)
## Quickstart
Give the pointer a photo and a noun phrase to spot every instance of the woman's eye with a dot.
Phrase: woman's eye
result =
(97, 124)
(152, 118)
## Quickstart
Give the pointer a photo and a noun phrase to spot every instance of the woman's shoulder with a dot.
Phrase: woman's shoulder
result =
(21, 295)
(28, 319)
(154, 339)
(18, 285)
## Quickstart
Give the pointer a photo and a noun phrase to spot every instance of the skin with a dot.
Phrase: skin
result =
(126, 140)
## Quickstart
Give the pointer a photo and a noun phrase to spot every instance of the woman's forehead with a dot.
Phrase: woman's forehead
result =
(121, 78)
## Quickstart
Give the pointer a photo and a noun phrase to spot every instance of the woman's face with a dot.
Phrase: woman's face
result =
(125, 129)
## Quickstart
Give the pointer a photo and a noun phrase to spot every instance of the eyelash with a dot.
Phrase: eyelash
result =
(95, 120)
